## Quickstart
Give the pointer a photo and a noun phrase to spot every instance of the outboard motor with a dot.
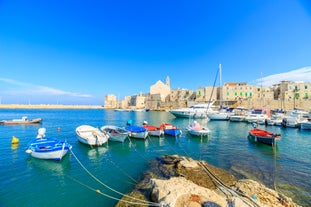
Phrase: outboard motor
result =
(41, 133)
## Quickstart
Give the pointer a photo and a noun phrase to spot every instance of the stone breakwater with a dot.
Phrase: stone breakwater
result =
(177, 181)
(48, 106)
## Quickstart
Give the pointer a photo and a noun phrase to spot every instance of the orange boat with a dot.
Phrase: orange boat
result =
(23, 120)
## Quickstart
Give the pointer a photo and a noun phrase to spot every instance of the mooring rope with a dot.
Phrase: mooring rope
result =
(123, 171)
(99, 181)
(137, 150)
(111, 197)
(224, 188)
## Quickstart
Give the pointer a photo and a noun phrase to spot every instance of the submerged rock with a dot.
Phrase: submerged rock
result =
(177, 181)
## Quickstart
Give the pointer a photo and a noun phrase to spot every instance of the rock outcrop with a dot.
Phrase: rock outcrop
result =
(175, 181)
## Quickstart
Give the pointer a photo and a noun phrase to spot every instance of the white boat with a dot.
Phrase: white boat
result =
(221, 114)
(47, 148)
(257, 116)
(239, 115)
(117, 134)
(306, 124)
(153, 130)
(198, 111)
(91, 136)
(294, 119)
(196, 129)
(137, 132)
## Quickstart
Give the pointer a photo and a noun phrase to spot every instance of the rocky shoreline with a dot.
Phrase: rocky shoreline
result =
(178, 181)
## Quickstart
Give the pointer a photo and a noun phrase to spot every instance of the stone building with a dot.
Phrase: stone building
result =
(205, 94)
(110, 101)
(163, 89)
(137, 101)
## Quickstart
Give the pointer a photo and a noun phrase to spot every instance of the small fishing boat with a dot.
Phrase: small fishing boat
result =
(196, 129)
(137, 131)
(153, 130)
(117, 134)
(47, 148)
(263, 136)
(23, 120)
(170, 129)
(91, 136)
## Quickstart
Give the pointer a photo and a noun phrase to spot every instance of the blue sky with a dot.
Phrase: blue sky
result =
(76, 52)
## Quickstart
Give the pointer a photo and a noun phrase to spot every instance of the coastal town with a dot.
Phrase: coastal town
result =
(285, 95)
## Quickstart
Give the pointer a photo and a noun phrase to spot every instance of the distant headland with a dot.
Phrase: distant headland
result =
(48, 106)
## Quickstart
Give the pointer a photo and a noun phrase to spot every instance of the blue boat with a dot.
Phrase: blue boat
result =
(47, 148)
(171, 130)
(137, 132)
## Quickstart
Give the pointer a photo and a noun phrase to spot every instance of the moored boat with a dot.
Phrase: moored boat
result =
(263, 136)
(47, 148)
(137, 131)
(306, 124)
(23, 120)
(117, 134)
(91, 136)
(196, 129)
(153, 130)
(198, 111)
(170, 129)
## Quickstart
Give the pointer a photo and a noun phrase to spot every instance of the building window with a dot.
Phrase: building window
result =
(250, 94)
(258, 89)
(245, 94)
(296, 88)
(227, 93)
(306, 96)
(306, 87)
(241, 94)
(235, 94)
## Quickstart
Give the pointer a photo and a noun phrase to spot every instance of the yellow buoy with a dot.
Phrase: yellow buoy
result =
(14, 140)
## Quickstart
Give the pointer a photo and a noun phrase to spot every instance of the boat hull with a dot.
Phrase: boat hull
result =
(305, 125)
(48, 149)
(263, 136)
(218, 116)
(137, 132)
(117, 134)
(91, 136)
(33, 121)
(202, 132)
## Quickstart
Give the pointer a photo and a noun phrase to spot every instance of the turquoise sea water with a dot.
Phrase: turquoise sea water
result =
(26, 181)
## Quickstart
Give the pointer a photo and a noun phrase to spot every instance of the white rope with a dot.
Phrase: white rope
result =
(99, 181)
(111, 197)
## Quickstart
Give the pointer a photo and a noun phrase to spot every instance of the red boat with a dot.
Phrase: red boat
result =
(154, 130)
(264, 136)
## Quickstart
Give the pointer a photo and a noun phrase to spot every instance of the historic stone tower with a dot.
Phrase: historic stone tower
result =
(168, 82)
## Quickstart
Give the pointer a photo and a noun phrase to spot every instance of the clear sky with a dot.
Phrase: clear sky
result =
(76, 52)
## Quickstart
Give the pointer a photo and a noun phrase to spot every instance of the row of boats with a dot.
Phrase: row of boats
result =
(294, 118)
(54, 149)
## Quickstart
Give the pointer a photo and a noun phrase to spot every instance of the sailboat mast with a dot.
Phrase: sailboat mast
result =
(220, 87)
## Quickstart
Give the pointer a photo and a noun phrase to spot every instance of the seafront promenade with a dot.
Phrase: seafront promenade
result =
(48, 106)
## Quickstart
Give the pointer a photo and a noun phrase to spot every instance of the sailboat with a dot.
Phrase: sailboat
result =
(222, 113)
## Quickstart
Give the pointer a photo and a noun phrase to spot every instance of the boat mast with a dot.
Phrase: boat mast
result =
(220, 87)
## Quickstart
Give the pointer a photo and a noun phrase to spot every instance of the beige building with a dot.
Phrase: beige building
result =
(137, 101)
(164, 89)
(205, 94)
(110, 101)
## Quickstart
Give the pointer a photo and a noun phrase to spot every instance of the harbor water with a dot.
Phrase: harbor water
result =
(99, 176)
